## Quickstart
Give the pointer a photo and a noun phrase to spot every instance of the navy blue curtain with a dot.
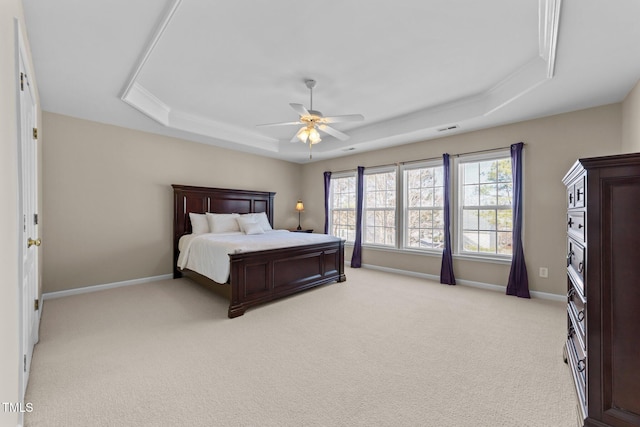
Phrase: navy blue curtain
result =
(327, 187)
(356, 256)
(518, 281)
(446, 270)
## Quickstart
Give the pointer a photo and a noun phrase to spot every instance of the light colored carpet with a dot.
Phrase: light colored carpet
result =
(377, 350)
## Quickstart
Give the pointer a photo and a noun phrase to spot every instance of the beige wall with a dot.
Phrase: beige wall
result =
(631, 121)
(10, 354)
(552, 146)
(108, 197)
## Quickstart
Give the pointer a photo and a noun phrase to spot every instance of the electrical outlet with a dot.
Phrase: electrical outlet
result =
(544, 272)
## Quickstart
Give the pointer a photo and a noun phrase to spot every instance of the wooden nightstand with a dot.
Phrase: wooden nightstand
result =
(301, 231)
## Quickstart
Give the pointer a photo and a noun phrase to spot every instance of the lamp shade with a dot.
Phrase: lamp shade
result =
(299, 206)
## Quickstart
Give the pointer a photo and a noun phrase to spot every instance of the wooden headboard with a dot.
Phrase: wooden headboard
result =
(188, 199)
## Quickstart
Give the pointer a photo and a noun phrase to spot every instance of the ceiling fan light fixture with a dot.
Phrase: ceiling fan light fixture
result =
(303, 134)
(314, 136)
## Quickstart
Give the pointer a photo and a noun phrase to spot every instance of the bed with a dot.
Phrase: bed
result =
(255, 277)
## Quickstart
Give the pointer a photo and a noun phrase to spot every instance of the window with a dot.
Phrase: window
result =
(424, 206)
(379, 210)
(484, 205)
(403, 207)
(343, 207)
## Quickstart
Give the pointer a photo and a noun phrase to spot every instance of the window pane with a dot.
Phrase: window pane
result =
(505, 190)
(470, 241)
(487, 219)
(486, 242)
(470, 219)
(504, 170)
(504, 243)
(438, 218)
(488, 171)
(471, 173)
(488, 195)
(505, 219)
(438, 197)
(471, 195)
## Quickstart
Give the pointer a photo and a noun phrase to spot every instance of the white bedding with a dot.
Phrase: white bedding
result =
(208, 254)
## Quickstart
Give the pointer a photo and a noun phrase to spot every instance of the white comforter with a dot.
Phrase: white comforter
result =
(208, 254)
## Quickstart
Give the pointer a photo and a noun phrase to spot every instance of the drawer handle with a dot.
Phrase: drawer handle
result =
(569, 255)
(579, 193)
(581, 315)
(570, 223)
(582, 365)
(571, 293)
(580, 267)
(570, 197)
(580, 226)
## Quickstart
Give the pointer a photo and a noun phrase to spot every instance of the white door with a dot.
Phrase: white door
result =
(28, 208)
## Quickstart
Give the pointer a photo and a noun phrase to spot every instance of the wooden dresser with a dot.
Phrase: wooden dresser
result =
(603, 288)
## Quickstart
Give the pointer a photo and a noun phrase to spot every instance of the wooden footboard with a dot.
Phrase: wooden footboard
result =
(258, 277)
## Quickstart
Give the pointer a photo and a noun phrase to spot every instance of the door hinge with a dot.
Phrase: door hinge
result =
(35, 133)
(35, 219)
(36, 304)
(21, 81)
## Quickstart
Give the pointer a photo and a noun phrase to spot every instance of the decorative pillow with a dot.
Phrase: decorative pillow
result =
(199, 223)
(223, 223)
(253, 228)
(261, 218)
(245, 220)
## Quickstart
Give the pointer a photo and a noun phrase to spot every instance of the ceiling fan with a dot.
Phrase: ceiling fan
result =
(313, 121)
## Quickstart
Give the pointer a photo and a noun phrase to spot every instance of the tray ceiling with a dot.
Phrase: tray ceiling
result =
(210, 72)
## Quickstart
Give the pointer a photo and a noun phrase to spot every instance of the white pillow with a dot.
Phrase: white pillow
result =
(261, 218)
(253, 228)
(246, 220)
(223, 223)
(199, 223)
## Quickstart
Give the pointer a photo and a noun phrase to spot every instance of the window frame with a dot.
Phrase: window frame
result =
(404, 170)
(374, 171)
(336, 176)
(457, 207)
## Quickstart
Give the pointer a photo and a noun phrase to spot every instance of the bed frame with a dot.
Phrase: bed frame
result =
(261, 276)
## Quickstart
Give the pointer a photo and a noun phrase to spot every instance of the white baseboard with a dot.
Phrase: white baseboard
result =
(471, 283)
(94, 288)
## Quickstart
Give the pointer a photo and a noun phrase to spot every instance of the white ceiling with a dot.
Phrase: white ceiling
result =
(211, 71)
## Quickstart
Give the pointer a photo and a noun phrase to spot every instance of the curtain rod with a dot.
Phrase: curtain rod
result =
(484, 151)
(408, 162)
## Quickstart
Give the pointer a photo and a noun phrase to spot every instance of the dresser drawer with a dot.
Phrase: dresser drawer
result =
(579, 193)
(576, 312)
(576, 263)
(577, 361)
(576, 225)
(571, 196)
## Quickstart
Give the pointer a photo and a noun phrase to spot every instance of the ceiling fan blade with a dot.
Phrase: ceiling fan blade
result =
(345, 118)
(334, 132)
(300, 109)
(280, 124)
